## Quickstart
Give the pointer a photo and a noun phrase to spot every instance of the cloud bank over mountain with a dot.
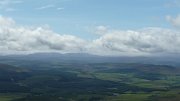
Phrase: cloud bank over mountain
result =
(147, 41)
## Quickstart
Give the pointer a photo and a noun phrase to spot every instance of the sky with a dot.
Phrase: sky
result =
(101, 27)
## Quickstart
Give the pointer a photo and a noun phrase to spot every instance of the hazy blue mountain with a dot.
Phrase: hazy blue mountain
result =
(88, 58)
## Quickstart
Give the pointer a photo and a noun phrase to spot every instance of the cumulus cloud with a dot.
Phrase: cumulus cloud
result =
(147, 41)
(19, 38)
(6, 22)
(175, 21)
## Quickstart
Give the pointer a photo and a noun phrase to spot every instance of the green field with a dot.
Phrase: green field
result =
(89, 82)
(10, 96)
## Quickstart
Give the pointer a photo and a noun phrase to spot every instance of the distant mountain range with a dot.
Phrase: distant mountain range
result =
(88, 58)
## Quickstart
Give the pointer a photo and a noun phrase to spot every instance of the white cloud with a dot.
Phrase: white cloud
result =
(10, 9)
(175, 21)
(50, 6)
(6, 22)
(147, 41)
(172, 3)
(19, 38)
(6, 5)
(100, 30)
(46, 7)
(60, 8)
